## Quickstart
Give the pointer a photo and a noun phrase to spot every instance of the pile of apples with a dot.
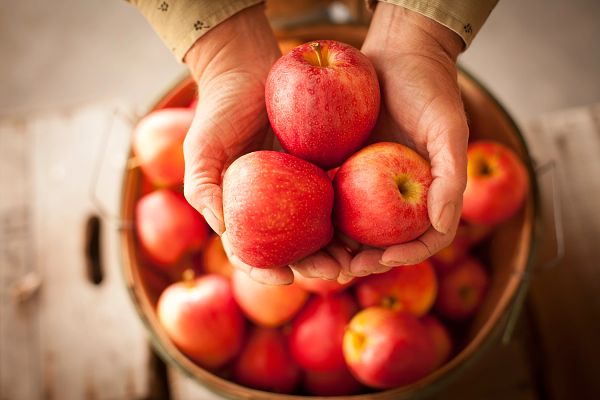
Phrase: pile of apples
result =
(316, 337)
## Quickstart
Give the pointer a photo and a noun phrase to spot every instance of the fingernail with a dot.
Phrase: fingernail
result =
(445, 218)
(395, 263)
(343, 278)
(215, 223)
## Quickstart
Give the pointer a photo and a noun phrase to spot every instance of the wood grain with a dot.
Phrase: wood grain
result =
(564, 300)
(73, 340)
(19, 331)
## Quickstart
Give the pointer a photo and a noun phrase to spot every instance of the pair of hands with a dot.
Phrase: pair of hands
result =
(415, 60)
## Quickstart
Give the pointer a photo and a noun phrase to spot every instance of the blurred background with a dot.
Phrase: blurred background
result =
(536, 56)
(68, 65)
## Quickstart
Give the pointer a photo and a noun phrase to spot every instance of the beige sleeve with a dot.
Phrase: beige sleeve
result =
(465, 17)
(179, 23)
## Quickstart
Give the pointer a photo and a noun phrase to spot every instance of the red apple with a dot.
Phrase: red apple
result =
(442, 342)
(320, 286)
(153, 278)
(277, 208)
(467, 236)
(331, 383)
(322, 100)
(386, 348)
(410, 288)
(462, 290)
(267, 305)
(381, 195)
(317, 332)
(203, 320)
(214, 258)
(158, 144)
(497, 183)
(168, 227)
(265, 363)
(146, 186)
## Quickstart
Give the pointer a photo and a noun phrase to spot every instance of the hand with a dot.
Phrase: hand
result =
(415, 59)
(230, 65)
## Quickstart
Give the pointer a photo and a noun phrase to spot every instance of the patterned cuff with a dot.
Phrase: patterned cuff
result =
(179, 23)
(465, 17)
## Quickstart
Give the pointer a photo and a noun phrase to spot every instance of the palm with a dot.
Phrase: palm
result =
(422, 109)
(230, 64)
(232, 119)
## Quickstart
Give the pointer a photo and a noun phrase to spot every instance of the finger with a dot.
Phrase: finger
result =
(204, 163)
(268, 276)
(447, 148)
(343, 278)
(340, 253)
(271, 276)
(365, 262)
(318, 265)
(417, 250)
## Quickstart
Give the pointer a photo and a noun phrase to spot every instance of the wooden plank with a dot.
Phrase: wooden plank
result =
(564, 300)
(90, 342)
(19, 331)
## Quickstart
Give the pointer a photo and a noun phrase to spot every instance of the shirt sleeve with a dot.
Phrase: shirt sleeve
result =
(179, 23)
(465, 17)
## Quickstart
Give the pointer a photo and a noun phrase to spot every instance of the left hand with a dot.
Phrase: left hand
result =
(415, 59)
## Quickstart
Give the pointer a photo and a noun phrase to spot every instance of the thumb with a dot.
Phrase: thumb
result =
(205, 160)
(448, 156)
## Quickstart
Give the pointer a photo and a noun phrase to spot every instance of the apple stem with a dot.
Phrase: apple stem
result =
(316, 46)
(188, 276)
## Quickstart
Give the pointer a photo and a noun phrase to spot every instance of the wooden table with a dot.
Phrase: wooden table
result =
(63, 336)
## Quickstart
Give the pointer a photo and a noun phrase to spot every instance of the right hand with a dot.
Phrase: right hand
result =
(230, 64)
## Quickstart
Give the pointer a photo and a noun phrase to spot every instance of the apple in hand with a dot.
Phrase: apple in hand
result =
(462, 290)
(385, 348)
(265, 363)
(168, 227)
(410, 288)
(338, 382)
(277, 208)
(317, 332)
(381, 195)
(203, 320)
(320, 286)
(322, 101)
(214, 258)
(158, 145)
(442, 342)
(267, 305)
(497, 183)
